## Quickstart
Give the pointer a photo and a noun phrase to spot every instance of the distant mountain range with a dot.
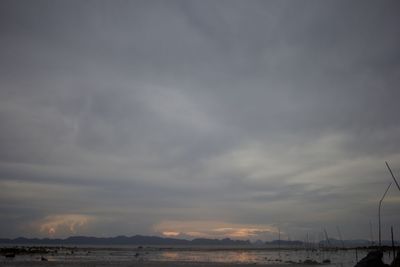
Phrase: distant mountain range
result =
(140, 240)
(285, 243)
(124, 240)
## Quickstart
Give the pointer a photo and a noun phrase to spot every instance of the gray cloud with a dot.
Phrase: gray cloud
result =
(122, 117)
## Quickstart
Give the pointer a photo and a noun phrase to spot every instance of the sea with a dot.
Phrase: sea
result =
(331, 257)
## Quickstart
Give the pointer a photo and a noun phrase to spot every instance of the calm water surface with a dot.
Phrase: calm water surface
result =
(345, 258)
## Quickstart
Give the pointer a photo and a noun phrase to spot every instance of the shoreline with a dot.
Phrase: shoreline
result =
(141, 264)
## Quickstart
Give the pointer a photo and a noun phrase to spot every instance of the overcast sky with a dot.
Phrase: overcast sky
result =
(198, 118)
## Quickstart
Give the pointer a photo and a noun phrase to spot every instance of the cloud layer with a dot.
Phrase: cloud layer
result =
(226, 118)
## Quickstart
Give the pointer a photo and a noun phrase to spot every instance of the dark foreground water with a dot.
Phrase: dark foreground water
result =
(342, 258)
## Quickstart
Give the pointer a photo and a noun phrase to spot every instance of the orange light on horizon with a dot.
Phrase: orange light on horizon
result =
(213, 229)
(52, 231)
(63, 224)
(170, 233)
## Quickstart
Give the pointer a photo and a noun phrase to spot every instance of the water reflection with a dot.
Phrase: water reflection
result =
(347, 258)
(170, 256)
(244, 257)
(339, 258)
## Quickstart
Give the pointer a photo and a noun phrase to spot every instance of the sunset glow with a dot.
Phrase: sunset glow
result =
(169, 233)
(214, 229)
(65, 224)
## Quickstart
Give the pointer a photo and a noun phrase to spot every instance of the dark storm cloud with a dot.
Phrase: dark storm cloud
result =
(129, 117)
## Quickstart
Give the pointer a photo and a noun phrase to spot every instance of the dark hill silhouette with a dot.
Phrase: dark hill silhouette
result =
(285, 243)
(124, 240)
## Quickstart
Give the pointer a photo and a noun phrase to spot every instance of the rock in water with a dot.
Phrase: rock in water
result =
(373, 259)
(396, 261)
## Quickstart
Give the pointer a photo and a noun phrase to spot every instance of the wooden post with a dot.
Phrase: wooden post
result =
(340, 236)
(370, 232)
(356, 255)
(393, 248)
(307, 242)
(327, 238)
(279, 239)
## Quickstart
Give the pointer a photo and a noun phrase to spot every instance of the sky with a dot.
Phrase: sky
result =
(188, 119)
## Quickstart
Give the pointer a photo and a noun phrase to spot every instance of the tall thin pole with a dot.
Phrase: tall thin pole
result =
(356, 255)
(327, 238)
(393, 248)
(308, 242)
(279, 239)
(340, 236)
(390, 170)
(370, 232)
(379, 213)
(279, 242)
